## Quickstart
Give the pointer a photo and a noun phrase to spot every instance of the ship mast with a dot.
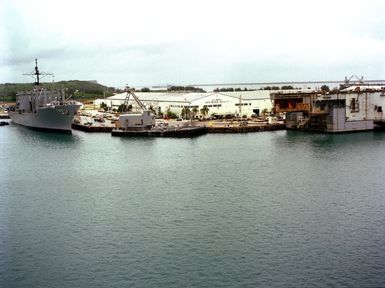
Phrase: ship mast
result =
(37, 74)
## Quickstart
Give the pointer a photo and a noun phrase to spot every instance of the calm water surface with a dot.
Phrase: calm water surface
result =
(271, 209)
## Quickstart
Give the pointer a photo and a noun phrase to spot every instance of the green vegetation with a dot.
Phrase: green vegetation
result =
(287, 87)
(174, 89)
(8, 91)
(204, 110)
(325, 88)
(184, 89)
(152, 109)
(124, 108)
(194, 111)
(270, 88)
(185, 113)
(224, 89)
(231, 89)
(284, 87)
(103, 106)
(79, 90)
(170, 114)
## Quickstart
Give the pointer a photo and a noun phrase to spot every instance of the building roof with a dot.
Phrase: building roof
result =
(357, 88)
(190, 97)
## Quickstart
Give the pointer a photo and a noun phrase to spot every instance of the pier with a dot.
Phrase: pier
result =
(169, 132)
(92, 128)
(174, 129)
(245, 128)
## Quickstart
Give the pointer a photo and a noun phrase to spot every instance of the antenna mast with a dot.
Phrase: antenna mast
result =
(37, 74)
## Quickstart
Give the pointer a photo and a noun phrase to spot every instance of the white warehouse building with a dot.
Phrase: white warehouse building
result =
(240, 103)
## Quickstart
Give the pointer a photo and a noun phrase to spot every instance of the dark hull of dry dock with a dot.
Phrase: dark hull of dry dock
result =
(91, 128)
(184, 132)
(245, 129)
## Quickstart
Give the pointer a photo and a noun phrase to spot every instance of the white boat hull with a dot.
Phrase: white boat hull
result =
(58, 118)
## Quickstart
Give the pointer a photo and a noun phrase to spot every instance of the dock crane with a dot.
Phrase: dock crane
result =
(359, 80)
(146, 120)
(130, 92)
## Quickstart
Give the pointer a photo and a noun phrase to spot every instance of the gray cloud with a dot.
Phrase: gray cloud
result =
(236, 43)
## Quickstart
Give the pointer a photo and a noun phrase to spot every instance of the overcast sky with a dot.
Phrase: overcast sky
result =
(152, 42)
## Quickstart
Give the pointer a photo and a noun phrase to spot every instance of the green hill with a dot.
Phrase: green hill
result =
(80, 90)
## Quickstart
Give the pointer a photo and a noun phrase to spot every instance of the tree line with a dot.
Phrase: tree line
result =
(175, 89)
(78, 89)
(232, 89)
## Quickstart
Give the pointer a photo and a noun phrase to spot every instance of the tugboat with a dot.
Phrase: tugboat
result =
(44, 109)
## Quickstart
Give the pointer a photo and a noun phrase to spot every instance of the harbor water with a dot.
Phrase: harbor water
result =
(269, 209)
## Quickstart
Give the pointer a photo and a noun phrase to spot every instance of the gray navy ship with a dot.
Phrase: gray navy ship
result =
(44, 109)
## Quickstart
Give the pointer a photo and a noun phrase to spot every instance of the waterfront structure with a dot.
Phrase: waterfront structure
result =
(355, 108)
(144, 124)
(295, 104)
(218, 104)
(44, 109)
(144, 120)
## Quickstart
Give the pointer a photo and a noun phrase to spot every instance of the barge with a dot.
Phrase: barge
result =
(189, 131)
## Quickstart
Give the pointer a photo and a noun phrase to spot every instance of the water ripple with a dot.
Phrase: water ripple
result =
(281, 209)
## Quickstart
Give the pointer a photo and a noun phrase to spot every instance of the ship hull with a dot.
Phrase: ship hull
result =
(57, 119)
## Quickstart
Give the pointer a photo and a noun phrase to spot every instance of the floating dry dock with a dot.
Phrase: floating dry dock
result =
(161, 132)
(356, 108)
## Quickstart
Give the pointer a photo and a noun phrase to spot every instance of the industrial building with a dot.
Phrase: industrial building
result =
(219, 104)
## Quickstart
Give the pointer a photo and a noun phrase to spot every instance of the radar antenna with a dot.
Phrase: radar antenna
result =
(37, 74)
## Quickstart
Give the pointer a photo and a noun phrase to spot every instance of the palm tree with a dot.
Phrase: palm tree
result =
(204, 111)
(184, 113)
(194, 111)
(151, 108)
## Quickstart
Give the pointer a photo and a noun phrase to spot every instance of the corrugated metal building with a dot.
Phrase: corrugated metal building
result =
(242, 103)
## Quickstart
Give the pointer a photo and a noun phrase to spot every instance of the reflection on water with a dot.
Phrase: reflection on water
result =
(334, 139)
(270, 209)
(45, 138)
(304, 146)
